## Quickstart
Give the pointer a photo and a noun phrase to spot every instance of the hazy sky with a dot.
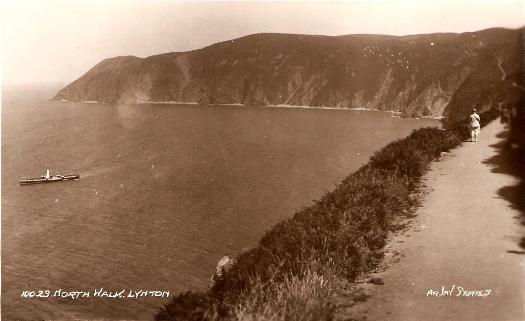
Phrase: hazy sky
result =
(47, 41)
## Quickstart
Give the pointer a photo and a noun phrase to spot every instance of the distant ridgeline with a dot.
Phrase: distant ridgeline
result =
(442, 74)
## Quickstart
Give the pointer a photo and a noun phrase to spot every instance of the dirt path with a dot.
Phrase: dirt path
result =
(465, 235)
(503, 73)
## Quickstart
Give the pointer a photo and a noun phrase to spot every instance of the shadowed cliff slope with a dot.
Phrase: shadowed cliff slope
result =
(419, 75)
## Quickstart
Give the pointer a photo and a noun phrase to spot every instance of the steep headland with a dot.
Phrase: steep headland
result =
(442, 74)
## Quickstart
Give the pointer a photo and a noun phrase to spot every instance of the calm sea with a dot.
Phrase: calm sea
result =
(165, 192)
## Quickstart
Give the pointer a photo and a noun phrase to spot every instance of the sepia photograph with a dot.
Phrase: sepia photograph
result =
(351, 160)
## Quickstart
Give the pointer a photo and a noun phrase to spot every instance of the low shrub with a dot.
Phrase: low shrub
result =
(309, 297)
(410, 156)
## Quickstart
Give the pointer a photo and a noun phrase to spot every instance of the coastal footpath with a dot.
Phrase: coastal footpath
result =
(462, 258)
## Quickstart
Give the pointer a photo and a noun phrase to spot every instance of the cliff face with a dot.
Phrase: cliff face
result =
(421, 75)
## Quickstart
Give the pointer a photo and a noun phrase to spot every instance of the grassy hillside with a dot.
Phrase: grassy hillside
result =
(419, 75)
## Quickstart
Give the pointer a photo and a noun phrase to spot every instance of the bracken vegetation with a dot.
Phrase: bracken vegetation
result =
(302, 263)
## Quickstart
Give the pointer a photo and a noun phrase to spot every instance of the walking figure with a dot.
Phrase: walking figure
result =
(474, 125)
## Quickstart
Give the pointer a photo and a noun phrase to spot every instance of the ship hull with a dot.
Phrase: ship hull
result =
(53, 179)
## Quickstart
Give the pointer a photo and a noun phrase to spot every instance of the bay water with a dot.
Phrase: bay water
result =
(165, 192)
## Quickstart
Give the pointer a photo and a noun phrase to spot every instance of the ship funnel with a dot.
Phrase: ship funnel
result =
(47, 174)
